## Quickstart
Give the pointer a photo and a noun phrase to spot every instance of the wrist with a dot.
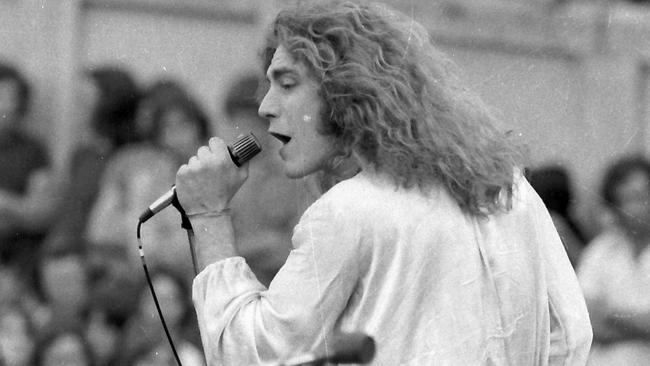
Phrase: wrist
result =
(214, 237)
(210, 222)
(209, 213)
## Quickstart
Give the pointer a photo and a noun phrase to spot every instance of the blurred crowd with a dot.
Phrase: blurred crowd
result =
(612, 264)
(72, 285)
(72, 288)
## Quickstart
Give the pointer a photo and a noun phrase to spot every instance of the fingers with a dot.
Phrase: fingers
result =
(215, 152)
(216, 149)
(203, 153)
(216, 144)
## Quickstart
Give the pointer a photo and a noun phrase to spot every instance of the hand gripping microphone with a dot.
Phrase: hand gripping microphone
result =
(241, 151)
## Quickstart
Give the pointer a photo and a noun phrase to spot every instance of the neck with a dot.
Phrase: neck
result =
(340, 170)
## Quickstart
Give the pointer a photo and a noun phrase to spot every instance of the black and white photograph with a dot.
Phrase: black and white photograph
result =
(324, 182)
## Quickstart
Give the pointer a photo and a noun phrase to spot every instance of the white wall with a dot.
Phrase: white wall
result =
(205, 54)
(576, 88)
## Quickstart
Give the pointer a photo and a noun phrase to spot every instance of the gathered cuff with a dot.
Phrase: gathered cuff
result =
(227, 278)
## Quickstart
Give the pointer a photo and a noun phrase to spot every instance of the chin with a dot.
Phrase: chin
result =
(294, 174)
(298, 172)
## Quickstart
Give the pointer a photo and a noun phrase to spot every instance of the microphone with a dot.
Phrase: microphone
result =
(241, 151)
(347, 348)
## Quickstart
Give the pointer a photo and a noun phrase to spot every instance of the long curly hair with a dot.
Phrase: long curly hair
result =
(395, 100)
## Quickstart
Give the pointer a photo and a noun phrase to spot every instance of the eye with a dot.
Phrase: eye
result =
(287, 86)
(287, 83)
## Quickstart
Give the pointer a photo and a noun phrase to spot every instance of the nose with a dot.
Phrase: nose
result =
(268, 107)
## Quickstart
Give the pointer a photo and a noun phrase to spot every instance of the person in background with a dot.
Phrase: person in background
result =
(64, 288)
(64, 346)
(17, 336)
(175, 125)
(438, 248)
(108, 96)
(269, 204)
(553, 185)
(103, 331)
(615, 268)
(25, 166)
(16, 289)
(112, 301)
(144, 330)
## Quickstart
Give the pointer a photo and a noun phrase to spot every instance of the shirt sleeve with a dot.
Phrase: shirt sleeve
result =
(243, 323)
(570, 328)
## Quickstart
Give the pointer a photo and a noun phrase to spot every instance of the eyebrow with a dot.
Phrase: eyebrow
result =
(282, 71)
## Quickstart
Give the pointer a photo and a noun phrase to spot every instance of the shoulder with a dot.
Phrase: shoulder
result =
(608, 241)
(368, 199)
(604, 247)
(361, 193)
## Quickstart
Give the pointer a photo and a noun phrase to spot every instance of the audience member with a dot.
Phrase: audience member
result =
(553, 185)
(112, 301)
(24, 162)
(157, 354)
(614, 271)
(64, 288)
(138, 175)
(17, 336)
(154, 98)
(102, 333)
(112, 100)
(16, 290)
(144, 330)
(269, 204)
(113, 287)
(64, 347)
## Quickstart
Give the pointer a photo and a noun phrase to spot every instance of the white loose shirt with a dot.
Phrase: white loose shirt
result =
(431, 284)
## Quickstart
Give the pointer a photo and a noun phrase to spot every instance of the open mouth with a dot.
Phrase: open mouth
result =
(283, 139)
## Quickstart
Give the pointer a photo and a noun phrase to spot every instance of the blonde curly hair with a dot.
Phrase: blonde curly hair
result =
(395, 100)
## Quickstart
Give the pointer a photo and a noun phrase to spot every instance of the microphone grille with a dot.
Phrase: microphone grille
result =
(244, 149)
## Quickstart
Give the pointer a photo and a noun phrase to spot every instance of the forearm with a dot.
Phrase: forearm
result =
(214, 239)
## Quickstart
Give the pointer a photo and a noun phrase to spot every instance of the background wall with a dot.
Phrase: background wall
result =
(570, 76)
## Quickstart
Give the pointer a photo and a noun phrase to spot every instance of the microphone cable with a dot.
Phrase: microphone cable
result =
(155, 298)
(242, 150)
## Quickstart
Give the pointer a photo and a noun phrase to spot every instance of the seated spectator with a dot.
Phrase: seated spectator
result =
(614, 271)
(24, 163)
(112, 301)
(138, 175)
(145, 332)
(112, 97)
(103, 336)
(63, 347)
(17, 336)
(553, 185)
(64, 288)
(17, 291)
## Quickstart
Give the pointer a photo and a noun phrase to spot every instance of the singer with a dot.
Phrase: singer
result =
(429, 240)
